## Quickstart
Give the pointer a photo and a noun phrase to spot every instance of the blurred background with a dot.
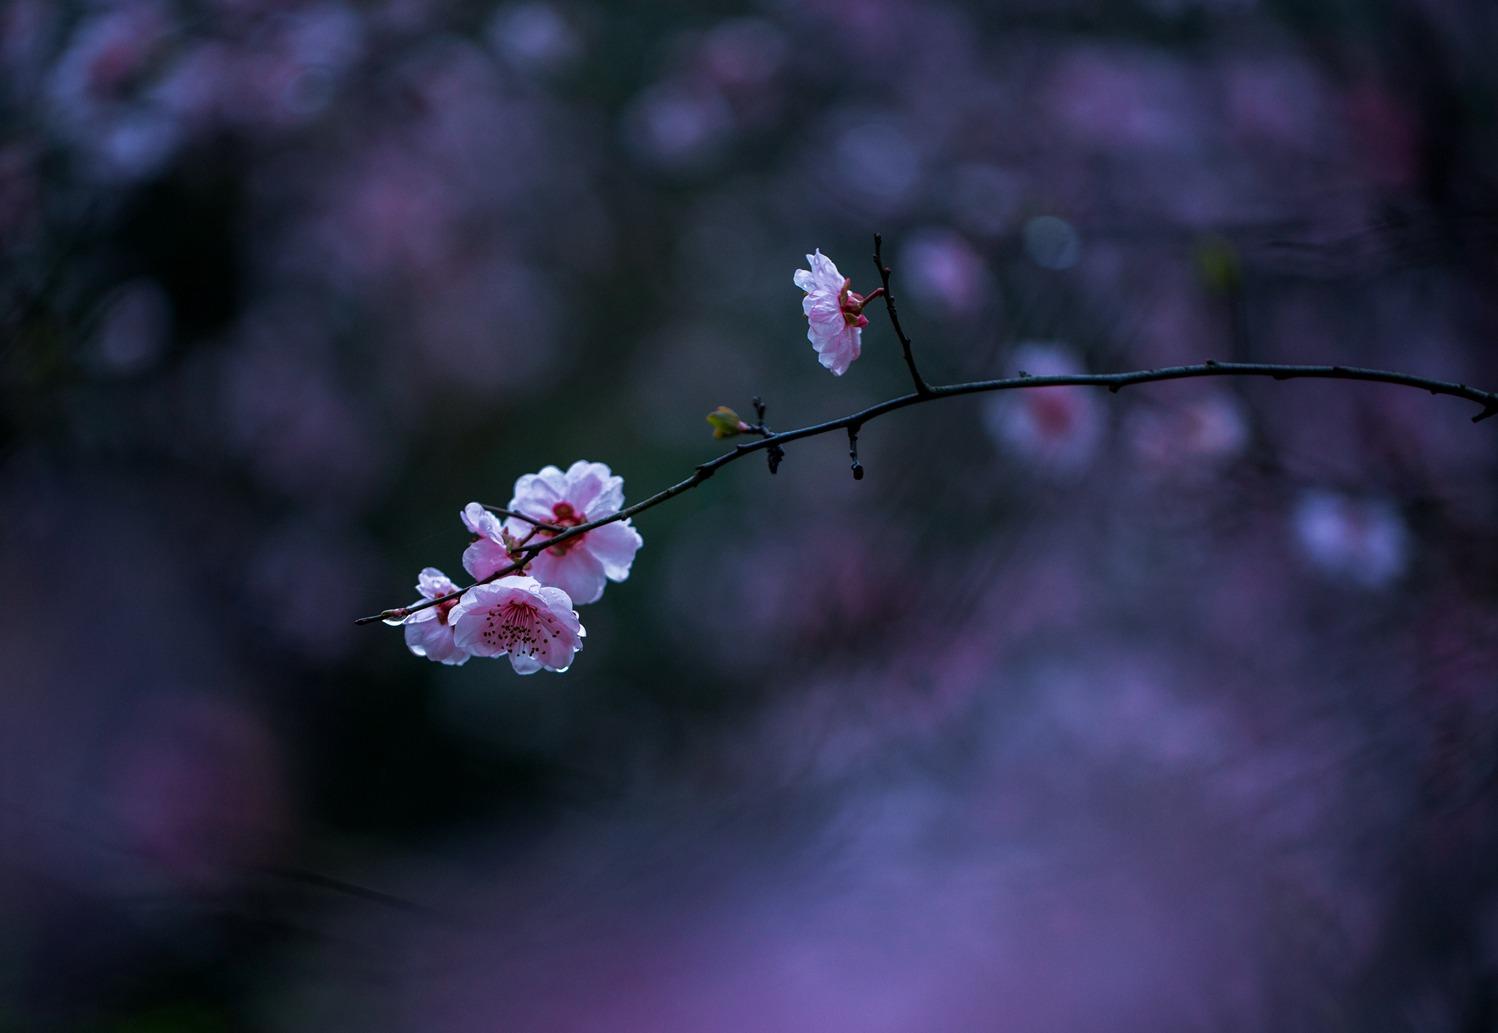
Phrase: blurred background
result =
(1174, 710)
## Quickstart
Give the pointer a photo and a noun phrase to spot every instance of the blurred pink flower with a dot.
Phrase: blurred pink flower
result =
(1362, 540)
(535, 37)
(944, 270)
(1055, 428)
(587, 491)
(488, 552)
(834, 311)
(283, 75)
(742, 56)
(1198, 434)
(533, 624)
(679, 125)
(429, 633)
(95, 92)
(107, 57)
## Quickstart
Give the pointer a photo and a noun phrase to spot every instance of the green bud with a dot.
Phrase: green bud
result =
(725, 422)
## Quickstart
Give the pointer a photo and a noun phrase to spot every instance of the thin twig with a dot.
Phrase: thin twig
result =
(521, 516)
(921, 387)
(1114, 382)
(775, 453)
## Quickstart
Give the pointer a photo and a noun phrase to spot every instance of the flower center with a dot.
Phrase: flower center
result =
(564, 515)
(511, 628)
(520, 628)
(851, 304)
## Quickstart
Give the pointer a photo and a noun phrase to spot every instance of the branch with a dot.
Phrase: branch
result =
(853, 422)
(521, 516)
(921, 387)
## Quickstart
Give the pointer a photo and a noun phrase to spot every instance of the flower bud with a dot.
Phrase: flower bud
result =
(726, 423)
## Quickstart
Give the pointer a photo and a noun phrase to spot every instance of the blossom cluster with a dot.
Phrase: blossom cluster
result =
(522, 603)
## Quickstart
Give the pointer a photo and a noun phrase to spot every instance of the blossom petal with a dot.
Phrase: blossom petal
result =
(434, 640)
(480, 521)
(537, 493)
(577, 572)
(433, 584)
(615, 546)
(593, 489)
(525, 663)
(484, 557)
(836, 351)
(822, 308)
(554, 653)
(561, 604)
(823, 272)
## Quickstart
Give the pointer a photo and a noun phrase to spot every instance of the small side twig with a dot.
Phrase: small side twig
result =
(853, 451)
(921, 387)
(543, 525)
(759, 427)
(774, 454)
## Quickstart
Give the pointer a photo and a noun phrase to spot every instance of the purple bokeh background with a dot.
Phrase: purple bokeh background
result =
(1175, 710)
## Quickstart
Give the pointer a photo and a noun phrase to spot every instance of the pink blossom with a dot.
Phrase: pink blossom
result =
(489, 552)
(579, 566)
(517, 616)
(834, 311)
(429, 632)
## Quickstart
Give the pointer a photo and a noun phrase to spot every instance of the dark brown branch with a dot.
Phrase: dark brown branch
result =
(1114, 382)
(921, 387)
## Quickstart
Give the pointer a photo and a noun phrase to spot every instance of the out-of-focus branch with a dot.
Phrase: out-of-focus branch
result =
(1114, 382)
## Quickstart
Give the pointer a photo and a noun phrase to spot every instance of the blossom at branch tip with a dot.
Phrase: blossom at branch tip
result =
(517, 616)
(833, 311)
(429, 632)
(586, 492)
(488, 552)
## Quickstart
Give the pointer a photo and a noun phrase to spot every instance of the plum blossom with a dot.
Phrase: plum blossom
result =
(1362, 540)
(579, 566)
(517, 616)
(429, 632)
(489, 552)
(834, 312)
